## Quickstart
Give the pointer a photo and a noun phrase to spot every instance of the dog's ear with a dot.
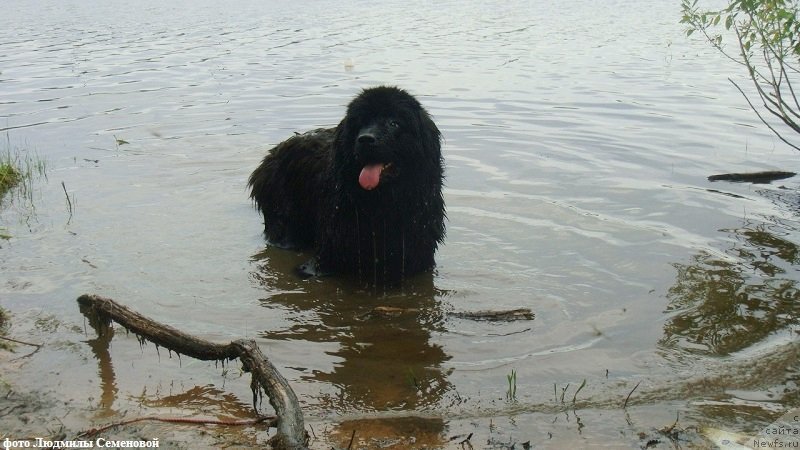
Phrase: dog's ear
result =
(431, 136)
(341, 150)
(340, 136)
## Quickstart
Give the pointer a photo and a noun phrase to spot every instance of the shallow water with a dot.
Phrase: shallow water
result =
(578, 140)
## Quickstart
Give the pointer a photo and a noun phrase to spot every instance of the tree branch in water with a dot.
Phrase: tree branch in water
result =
(753, 177)
(291, 432)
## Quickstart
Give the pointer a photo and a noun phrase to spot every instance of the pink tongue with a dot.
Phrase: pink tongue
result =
(370, 176)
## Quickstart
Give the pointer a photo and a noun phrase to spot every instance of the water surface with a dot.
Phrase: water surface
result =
(578, 140)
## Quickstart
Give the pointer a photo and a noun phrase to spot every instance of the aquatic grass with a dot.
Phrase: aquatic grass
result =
(120, 141)
(511, 393)
(19, 167)
(9, 177)
(575, 397)
(411, 379)
(564, 391)
(4, 320)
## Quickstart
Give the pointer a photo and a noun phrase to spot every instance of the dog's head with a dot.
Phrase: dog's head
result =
(386, 141)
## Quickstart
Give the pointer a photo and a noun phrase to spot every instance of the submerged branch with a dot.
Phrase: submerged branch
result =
(188, 420)
(265, 377)
(753, 177)
(506, 315)
(488, 315)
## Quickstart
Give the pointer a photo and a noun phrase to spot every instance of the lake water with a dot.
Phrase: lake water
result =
(578, 139)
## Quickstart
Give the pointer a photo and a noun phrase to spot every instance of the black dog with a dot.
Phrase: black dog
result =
(366, 196)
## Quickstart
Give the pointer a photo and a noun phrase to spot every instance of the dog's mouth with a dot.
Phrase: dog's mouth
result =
(371, 174)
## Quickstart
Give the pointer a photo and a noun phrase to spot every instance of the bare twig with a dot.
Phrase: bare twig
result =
(625, 405)
(791, 91)
(669, 429)
(777, 107)
(762, 118)
(69, 202)
(21, 342)
(38, 346)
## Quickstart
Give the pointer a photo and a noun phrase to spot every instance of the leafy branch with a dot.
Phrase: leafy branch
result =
(768, 46)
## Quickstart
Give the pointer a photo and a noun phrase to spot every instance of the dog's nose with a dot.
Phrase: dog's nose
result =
(366, 138)
(368, 134)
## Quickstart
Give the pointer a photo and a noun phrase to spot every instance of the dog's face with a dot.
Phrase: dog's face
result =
(386, 141)
(373, 147)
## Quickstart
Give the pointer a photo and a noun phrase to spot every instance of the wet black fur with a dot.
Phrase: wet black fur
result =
(307, 189)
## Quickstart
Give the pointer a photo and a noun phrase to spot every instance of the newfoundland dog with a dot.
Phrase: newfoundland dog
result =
(365, 196)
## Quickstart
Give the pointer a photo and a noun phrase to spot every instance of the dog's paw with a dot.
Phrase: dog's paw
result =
(309, 269)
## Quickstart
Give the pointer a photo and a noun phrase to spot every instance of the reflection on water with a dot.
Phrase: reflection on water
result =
(721, 304)
(403, 432)
(577, 158)
(379, 363)
(108, 380)
(206, 399)
(382, 362)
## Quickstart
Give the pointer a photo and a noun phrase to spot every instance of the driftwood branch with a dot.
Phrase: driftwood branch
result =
(496, 316)
(291, 432)
(753, 177)
(488, 315)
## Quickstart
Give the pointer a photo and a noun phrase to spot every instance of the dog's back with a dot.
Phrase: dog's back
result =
(288, 185)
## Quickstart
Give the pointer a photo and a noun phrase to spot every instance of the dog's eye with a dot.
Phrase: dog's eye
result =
(394, 124)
